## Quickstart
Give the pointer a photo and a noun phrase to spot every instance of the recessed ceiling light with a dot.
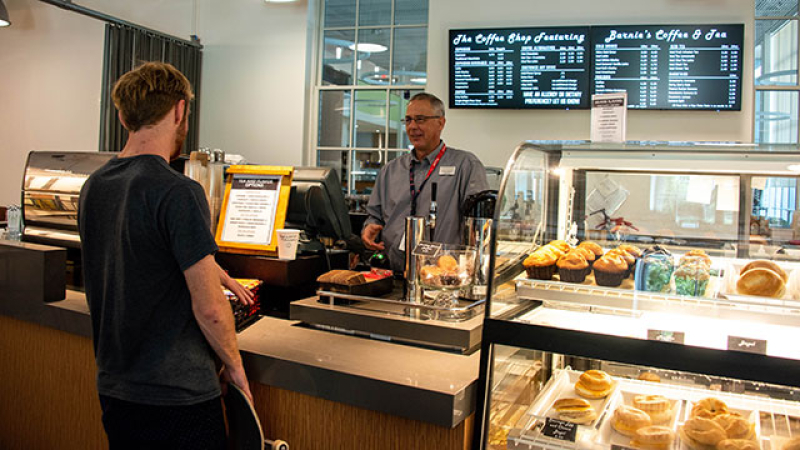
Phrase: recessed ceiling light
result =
(366, 47)
(794, 167)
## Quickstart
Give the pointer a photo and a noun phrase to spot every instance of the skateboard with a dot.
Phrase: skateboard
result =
(244, 428)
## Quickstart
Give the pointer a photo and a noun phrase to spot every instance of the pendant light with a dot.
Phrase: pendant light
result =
(4, 20)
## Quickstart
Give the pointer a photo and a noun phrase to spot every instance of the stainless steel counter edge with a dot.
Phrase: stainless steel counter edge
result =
(415, 383)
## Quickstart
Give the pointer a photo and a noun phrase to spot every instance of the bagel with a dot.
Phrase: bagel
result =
(736, 427)
(654, 437)
(700, 431)
(594, 384)
(709, 408)
(627, 420)
(656, 406)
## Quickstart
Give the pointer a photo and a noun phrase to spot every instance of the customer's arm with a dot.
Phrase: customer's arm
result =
(213, 314)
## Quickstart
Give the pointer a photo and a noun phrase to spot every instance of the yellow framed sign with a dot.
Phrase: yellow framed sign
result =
(254, 208)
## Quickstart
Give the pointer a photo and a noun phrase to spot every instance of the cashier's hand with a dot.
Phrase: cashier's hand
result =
(242, 293)
(369, 235)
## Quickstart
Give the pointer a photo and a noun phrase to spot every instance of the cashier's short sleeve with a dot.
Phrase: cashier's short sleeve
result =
(186, 220)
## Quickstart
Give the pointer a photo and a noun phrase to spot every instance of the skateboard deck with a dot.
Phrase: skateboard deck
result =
(244, 429)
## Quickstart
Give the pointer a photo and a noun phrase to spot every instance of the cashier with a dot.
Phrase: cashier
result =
(403, 187)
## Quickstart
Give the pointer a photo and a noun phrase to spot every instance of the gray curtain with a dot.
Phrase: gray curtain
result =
(127, 47)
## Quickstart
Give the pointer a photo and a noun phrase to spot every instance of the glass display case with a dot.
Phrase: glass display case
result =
(643, 295)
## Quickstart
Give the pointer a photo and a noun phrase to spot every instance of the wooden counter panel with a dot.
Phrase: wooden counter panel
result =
(48, 391)
(312, 423)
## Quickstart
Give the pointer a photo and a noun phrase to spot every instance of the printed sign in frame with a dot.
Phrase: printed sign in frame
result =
(254, 208)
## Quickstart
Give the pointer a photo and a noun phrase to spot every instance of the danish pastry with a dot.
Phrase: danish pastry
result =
(700, 431)
(709, 408)
(736, 427)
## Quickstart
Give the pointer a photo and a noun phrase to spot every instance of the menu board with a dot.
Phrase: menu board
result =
(670, 66)
(517, 68)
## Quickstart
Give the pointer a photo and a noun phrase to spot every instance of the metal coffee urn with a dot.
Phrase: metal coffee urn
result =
(478, 211)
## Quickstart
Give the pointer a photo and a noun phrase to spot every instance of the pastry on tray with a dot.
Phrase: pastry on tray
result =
(629, 259)
(766, 264)
(593, 247)
(610, 270)
(587, 254)
(701, 433)
(737, 444)
(709, 408)
(654, 437)
(650, 376)
(594, 384)
(762, 282)
(541, 265)
(657, 407)
(575, 410)
(573, 267)
(627, 420)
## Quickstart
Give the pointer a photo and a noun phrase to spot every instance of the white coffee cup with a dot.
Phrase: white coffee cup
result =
(287, 244)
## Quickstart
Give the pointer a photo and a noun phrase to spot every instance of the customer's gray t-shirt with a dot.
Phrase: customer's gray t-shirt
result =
(141, 225)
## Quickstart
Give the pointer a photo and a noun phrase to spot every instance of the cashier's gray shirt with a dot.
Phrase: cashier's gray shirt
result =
(458, 175)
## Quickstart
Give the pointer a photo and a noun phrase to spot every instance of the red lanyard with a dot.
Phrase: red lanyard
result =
(414, 191)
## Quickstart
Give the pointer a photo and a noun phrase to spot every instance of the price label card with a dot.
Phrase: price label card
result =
(676, 337)
(742, 344)
(559, 429)
(428, 249)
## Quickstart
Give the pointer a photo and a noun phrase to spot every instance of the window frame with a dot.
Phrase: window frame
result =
(317, 88)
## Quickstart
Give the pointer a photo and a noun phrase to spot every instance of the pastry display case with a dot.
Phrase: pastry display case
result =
(643, 295)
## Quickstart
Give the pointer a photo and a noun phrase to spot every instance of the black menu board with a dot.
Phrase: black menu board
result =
(518, 68)
(670, 66)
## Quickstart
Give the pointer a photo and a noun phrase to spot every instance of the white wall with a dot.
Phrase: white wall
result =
(253, 92)
(51, 64)
(254, 79)
(492, 135)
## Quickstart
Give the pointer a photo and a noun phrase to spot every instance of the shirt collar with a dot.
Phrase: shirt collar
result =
(431, 156)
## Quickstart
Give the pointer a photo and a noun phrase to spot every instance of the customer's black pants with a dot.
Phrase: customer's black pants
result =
(137, 426)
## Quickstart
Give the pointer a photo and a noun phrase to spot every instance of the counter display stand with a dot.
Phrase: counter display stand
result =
(712, 312)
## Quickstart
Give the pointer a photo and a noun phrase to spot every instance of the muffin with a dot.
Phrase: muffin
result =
(588, 254)
(629, 259)
(695, 255)
(541, 265)
(561, 245)
(610, 270)
(594, 247)
(573, 267)
(691, 278)
(632, 249)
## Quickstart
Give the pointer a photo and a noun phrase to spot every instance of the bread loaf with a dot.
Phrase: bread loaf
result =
(342, 277)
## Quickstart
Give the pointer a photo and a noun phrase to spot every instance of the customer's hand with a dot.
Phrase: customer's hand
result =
(369, 235)
(237, 377)
(242, 293)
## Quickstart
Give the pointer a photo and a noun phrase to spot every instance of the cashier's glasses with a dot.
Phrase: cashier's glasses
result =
(418, 119)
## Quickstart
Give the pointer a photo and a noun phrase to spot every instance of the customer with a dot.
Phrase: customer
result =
(399, 187)
(153, 287)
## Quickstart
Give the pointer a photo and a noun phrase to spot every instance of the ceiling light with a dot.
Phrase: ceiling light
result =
(794, 167)
(366, 47)
(4, 20)
(421, 80)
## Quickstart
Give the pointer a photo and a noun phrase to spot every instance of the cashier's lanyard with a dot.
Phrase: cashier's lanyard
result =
(414, 191)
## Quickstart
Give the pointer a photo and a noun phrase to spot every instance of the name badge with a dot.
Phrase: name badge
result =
(447, 170)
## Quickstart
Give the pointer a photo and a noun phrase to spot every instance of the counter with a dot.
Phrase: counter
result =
(312, 388)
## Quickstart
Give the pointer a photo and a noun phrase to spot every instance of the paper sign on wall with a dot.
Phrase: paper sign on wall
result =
(609, 117)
